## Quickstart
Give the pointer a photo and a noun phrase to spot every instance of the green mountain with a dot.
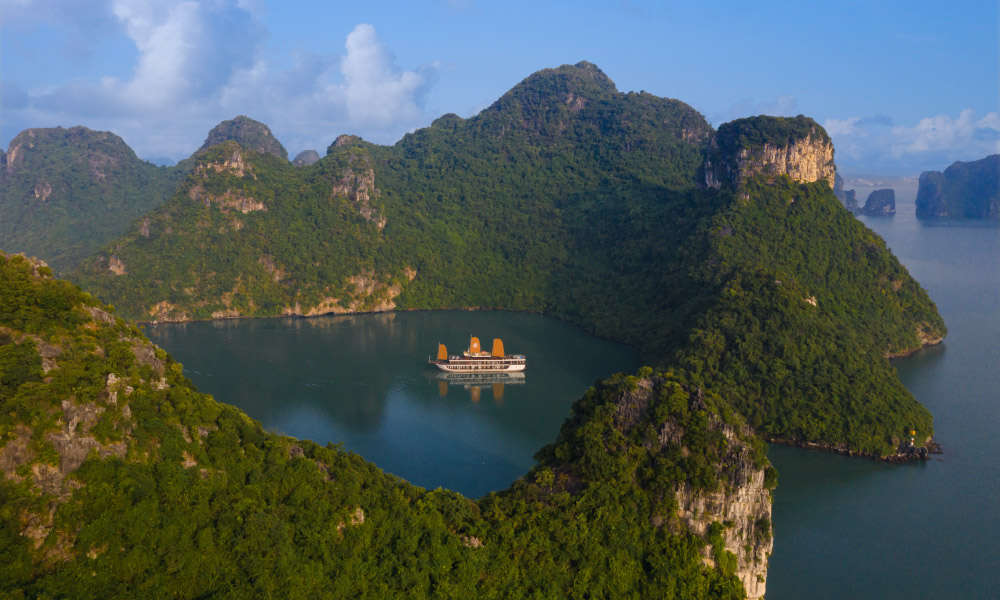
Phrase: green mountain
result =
(120, 479)
(966, 190)
(64, 193)
(568, 197)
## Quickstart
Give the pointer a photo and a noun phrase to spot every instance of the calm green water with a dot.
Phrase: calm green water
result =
(364, 380)
(844, 528)
(849, 528)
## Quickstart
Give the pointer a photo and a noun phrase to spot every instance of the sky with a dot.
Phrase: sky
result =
(901, 86)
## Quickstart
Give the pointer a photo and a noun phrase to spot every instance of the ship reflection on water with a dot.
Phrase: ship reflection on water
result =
(475, 383)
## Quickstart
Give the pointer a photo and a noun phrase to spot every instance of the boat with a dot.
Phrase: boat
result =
(475, 360)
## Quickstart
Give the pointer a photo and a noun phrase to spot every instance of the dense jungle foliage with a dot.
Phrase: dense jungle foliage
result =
(64, 193)
(570, 198)
(120, 479)
(754, 132)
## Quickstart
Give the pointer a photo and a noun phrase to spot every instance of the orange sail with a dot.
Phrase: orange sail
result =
(474, 347)
(497, 348)
(442, 352)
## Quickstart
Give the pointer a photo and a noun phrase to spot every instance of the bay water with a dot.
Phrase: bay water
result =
(844, 527)
(364, 381)
(853, 528)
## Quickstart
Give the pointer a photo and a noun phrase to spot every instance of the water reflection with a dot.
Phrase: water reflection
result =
(364, 380)
(475, 383)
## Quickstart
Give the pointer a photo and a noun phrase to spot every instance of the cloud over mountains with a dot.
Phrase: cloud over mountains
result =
(876, 145)
(198, 62)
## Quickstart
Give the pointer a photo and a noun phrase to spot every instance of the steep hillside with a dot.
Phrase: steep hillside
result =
(118, 479)
(571, 198)
(64, 193)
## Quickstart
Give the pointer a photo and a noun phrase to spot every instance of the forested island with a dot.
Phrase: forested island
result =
(763, 307)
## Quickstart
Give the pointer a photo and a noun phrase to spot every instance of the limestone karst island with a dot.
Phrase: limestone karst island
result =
(764, 310)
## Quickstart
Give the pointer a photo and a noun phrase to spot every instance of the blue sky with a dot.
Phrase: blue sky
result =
(902, 86)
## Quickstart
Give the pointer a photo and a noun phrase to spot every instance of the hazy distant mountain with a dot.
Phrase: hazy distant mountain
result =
(847, 197)
(305, 158)
(250, 134)
(880, 203)
(966, 190)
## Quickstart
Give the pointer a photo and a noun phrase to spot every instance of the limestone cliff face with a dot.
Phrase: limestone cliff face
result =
(357, 184)
(747, 506)
(740, 504)
(769, 146)
(744, 503)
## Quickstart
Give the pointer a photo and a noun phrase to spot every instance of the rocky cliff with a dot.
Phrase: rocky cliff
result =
(705, 473)
(770, 146)
(740, 511)
(881, 203)
(965, 190)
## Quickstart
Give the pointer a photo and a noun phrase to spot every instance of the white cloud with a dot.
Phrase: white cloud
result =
(942, 132)
(377, 92)
(201, 61)
(873, 144)
(836, 127)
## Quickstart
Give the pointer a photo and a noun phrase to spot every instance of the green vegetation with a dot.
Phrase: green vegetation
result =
(764, 304)
(754, 132)
(570, 198)
(157, 490)
(64, 193)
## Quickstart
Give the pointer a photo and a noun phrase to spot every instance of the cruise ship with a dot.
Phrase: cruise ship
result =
(475, 360)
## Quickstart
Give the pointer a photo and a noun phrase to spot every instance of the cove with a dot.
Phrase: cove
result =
(363, 380)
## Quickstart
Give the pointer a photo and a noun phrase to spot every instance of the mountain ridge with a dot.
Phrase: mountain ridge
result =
(590, 213)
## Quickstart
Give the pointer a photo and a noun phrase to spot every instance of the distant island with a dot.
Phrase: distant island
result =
(966, 190)
(880, 203)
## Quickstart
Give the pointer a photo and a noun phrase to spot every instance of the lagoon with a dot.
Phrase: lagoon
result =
(364, 381)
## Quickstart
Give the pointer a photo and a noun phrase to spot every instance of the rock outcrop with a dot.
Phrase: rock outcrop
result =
(357, 184)
(737, 511)
(770, 146)
(966, 190)
(881, 203)
(743, 506)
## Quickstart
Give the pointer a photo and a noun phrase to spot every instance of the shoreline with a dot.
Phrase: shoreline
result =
(918, 453)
